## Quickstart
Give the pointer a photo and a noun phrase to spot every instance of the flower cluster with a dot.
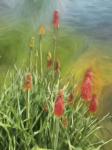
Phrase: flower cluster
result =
(87, 91)
(86, 88)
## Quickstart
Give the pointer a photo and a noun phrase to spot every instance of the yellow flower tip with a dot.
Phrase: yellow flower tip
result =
(49, 60)
(61, 92)
(42, 30)
(32, 43)
(33, 38)
(49, 56)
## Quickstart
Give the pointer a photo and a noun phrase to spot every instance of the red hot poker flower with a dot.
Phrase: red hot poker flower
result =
(56, 19)
(59, 105)
(86, 90)
(93, 104)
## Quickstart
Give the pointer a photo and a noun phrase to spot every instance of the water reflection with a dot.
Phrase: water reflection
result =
(91, 17)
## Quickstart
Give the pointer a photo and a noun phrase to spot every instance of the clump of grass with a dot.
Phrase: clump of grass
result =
(34, 114)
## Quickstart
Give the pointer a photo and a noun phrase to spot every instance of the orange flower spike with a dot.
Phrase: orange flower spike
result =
(59, 106)
(86, 89)
(49, 61)
(56, 19)
(93, 104)
(28, 83)
(42, 30)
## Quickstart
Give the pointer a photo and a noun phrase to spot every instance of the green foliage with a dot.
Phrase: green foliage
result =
(26, 124)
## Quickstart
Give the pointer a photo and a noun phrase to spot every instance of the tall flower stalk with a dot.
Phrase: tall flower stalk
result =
(56, 22)
(42, 32)
(28, 88)
(40, 51)
(31, 46)
(56, 134)
(28, 104)
(58, 112)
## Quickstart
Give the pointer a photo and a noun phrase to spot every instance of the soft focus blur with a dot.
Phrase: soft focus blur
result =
(85, 39)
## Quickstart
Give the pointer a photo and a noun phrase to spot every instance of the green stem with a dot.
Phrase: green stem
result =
(54, 47)
(14, 142)
(28, 105)
(54, 51)
(56, 134)
(36, 62)
(30, 57)
(40, 49)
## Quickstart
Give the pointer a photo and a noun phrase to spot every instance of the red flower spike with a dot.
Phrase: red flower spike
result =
(86, 90)
(56, 19)
(59, 105)
(93, 104)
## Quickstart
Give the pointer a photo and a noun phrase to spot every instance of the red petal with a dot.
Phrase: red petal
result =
(56, 19)
(59, 107)
(86, 90)
(94, 104)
